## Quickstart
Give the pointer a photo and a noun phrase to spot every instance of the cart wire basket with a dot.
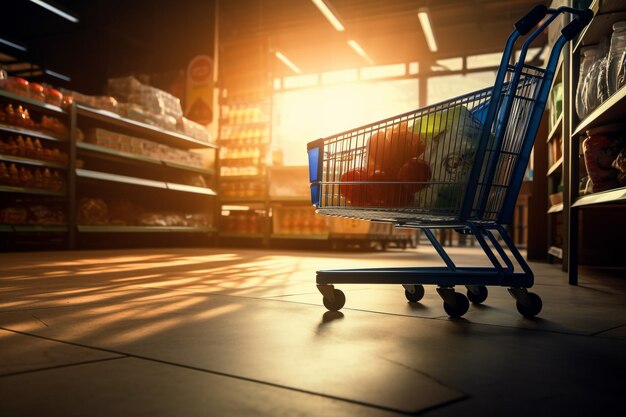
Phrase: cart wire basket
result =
(457, 164)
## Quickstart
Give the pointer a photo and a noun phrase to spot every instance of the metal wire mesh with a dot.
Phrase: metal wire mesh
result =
(416, 166)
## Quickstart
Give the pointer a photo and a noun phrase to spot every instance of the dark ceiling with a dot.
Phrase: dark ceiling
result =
(116, 37)
(389, 31)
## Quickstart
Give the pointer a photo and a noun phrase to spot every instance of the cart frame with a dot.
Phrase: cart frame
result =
(486, 204)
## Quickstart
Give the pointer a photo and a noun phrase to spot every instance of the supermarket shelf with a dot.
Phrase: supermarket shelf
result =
(105, 176)
(555, 167)
(145, 229)
(610, 111)
(243, 200)
(239, 178)
(617, 196)
(557, 208)
(238, 143)
(32, 103)
(30, 161)
(248, 124)
(189, 189)
(556, 252)
(597, 29)
(40, 228)
(32, 228)
(139, 158)
(189, 167)
(29, 132)
(24, 190)
(143, 129)
(558, 128)
(291, 199)
(242, 235)
(300, 236)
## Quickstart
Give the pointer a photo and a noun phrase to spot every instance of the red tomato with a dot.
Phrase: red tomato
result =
(404, 143)
(413, 173)
(353, 193)
(377, 195)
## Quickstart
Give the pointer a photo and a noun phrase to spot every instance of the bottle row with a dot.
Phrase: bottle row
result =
(29, 177)
(244, 189)
(31, 148)
(245, 134)
(244, 114)
(245, 222)
(234, 171)
(299, 221)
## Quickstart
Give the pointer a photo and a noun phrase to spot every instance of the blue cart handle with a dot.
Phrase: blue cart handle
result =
(526, 23)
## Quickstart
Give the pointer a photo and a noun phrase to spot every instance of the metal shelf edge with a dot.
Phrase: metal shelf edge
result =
(557, 208)
(30, 161)
(558, 126)
(32, 102)
(589, 122)
(555, 166)
(113, 118)
(30, 132)
(605, 197)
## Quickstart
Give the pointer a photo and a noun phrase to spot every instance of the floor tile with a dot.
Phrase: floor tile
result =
(135, 387)
(23, 353)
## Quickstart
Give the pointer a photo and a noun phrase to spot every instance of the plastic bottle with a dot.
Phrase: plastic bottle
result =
(618, 46)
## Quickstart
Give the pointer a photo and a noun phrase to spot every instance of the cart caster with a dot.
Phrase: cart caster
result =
(414, 293)
(528, 304)
(454, 303)
(477, 294)
(333, 298)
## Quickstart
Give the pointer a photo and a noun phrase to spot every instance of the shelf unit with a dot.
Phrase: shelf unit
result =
(33, 173)
(158, 193)
(244, 139)
(583, 209)
(557, 164)
(159, 183)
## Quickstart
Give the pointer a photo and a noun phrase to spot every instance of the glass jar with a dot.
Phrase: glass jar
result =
(590, 55)
(616, 51)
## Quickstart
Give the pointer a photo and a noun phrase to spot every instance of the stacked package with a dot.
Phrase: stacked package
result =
(143, 147)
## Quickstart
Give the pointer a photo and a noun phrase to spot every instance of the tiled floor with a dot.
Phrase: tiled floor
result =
(222, 332)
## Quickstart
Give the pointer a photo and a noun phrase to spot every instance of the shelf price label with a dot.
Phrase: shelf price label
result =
(199, 107)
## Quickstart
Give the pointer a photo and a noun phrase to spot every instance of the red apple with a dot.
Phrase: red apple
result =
(353, 193)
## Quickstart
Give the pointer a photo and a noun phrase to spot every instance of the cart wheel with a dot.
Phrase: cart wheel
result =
(480, 297)
(459, 308)
(416, 296)
(337, 303)
(532, 310)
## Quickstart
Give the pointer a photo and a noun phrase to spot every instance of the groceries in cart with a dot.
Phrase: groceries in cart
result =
(410, 162)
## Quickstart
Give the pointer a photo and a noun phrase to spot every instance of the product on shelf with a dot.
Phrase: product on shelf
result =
(244, 222)
(615, 56)
(92, 211)
(33, 211)
(17, 85)
(97, 102)
(153, 100)
(620, 164)
(601, 148)
(36, 91)
(193, 129)
(54, 125)
(53, 96)
(143, 147)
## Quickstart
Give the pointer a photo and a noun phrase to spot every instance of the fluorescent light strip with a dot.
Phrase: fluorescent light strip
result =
(56, 10)
(334, 20)
(287, 62)
(357, 48)
(424, 18)
(58, 75)
(13, 45)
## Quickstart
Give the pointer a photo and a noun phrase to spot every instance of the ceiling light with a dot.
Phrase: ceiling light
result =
(13, 45)
(332, 18)
(58, 75)
(357, 48)
(56, 10)
(287, 62)
(424, 18)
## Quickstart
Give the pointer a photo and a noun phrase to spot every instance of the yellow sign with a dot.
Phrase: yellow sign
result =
(199, 106)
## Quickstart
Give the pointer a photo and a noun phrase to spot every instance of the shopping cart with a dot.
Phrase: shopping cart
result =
(457, 164)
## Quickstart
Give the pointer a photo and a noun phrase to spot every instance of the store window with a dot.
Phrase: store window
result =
(448, 86)
(301, 116)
